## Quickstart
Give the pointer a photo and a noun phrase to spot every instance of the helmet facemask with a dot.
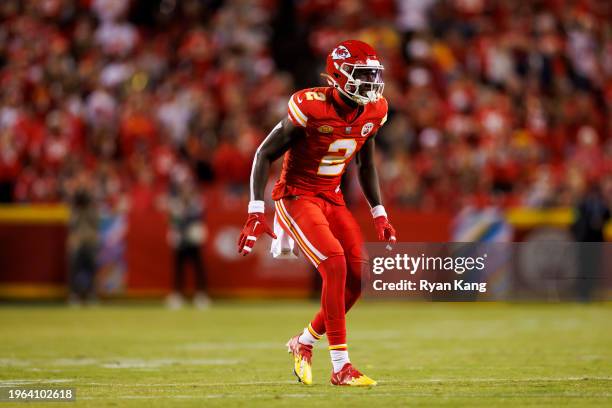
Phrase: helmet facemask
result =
(364, 81)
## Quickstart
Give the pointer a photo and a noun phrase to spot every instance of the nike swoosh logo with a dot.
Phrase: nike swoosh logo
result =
(256, 224)
(299, 99)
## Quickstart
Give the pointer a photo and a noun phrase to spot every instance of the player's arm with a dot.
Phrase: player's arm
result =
(274, 146)
(368, 175)
(368, 179)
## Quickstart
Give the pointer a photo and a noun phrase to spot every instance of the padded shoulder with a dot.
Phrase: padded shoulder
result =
(381, 109)
(306, 103)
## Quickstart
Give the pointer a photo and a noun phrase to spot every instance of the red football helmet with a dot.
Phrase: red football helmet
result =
(353, 69)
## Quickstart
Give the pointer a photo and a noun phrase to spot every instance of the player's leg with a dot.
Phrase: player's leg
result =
(306, 221)
(333, 272)
(345, 228)
(304, 218)
(347, 231)
(200, 299)
(175, 299)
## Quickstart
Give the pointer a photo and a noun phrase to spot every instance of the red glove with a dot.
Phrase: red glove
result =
(254, 226)
(384, 229)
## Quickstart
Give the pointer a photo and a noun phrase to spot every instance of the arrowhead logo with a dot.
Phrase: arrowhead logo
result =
(367, 128)
(340, 52)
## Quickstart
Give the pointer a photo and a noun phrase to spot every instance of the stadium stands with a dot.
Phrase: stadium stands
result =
(492, 102)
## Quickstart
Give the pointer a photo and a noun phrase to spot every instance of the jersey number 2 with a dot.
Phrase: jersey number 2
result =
(333, 165)
(315, 96)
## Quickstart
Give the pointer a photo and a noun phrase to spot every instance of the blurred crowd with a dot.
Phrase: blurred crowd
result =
(492, 102)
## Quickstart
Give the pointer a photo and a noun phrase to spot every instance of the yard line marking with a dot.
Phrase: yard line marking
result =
(231, 346)
(74, 361)
(13, 362)
(5, 383)
(384, 382)
(528, 379)
(158, 363)
(370, 393)
(117, 362)
(137, 397)
(219, 384)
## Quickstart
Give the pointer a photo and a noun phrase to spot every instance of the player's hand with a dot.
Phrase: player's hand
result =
(254, 227)
(384, 229)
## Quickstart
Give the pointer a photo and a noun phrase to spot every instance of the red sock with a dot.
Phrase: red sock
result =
(353, 283)
(333, 273)
(351, 294)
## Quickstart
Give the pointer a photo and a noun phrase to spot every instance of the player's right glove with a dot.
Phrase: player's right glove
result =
(384, 229)
(254, 227)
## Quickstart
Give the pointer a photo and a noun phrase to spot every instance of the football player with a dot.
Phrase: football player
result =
(324, 129)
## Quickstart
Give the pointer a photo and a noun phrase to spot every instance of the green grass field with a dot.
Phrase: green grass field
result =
(422, 354)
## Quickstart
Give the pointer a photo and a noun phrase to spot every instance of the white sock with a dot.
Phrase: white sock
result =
(307, 338)
(339, 358)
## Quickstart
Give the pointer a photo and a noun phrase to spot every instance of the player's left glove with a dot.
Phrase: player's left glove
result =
(254, 227)
(385, 230)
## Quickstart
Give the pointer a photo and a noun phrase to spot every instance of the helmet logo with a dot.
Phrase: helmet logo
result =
(367, 128)
(340, 52)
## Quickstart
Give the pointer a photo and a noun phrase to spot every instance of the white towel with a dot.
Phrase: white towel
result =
(283, 246)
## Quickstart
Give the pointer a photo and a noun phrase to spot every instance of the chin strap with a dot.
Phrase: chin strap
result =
(332, 82)
(329, 79)
(372, 97)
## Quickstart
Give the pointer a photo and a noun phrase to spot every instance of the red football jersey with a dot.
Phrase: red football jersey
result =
(315, 163)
